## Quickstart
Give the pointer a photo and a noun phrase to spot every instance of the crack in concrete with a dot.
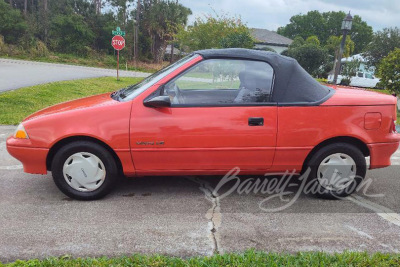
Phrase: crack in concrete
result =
(213, 214)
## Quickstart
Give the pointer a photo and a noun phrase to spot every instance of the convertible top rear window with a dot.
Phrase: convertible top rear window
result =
(292, 84)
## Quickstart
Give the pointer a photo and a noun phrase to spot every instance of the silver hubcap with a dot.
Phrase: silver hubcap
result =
(337, 171)
(84, 172)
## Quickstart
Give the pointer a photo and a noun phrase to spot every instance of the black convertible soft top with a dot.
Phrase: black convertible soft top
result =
(292, 84)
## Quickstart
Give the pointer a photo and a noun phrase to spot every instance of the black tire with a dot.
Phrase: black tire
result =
(111, 169)
(315, 161)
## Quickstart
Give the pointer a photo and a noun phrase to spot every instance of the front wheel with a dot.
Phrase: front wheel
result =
(336, 170)
(84, 170)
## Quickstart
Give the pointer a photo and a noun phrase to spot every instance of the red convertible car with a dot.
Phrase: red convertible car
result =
(206, 114)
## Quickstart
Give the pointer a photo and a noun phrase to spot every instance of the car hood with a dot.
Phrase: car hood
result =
(345, 96)
(83, 103)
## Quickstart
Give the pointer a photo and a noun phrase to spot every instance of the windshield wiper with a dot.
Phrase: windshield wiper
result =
(122, 92)
(119, 94)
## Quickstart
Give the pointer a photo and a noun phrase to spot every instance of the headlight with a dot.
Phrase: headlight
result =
(20, 133)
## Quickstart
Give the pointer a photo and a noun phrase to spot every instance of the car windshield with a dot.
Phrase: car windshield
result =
(130, 92)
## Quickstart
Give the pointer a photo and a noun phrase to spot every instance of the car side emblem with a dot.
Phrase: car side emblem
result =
(157, 143)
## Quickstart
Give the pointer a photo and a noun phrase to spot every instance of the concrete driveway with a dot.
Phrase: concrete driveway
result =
(180, 216)
(15, 74)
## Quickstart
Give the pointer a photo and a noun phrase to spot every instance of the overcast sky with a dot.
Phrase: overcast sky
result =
(270, 14)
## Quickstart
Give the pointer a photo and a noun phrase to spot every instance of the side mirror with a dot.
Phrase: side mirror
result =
(158, 102)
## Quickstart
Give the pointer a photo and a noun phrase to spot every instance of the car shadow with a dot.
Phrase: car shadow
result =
(246, 194)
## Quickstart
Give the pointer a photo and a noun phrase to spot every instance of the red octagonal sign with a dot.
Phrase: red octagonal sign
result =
(118, 42)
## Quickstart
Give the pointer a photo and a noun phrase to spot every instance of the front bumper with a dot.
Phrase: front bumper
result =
(380, 154)
(33, 159)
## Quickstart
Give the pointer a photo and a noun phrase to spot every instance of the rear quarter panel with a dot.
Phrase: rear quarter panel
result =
(300, 129)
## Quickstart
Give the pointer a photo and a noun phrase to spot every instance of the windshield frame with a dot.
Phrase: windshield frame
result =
(131, 92)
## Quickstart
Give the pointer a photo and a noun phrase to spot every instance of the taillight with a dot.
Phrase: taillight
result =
(393, 128)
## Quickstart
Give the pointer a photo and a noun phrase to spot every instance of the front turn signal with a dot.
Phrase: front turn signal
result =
(20, 133)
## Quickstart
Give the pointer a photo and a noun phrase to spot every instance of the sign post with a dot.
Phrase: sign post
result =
(118, 42)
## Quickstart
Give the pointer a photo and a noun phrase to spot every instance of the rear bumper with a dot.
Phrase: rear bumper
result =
(33, 159)
(381, 153)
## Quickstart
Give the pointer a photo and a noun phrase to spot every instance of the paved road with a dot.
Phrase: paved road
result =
(180, 216)
(15, 74)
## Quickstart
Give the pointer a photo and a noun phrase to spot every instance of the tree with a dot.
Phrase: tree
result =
(312, 23)
(383, 42)
(122, 7)
(297, 42)
(349, 69)
(324, 25)
(81, 26)
(215, 32)
(71, 34)
(12, 24)
(310, 55)
(333, 46)
(389, 71)
(361, 34)
(161, 21)
(313, 40)
(241, 39)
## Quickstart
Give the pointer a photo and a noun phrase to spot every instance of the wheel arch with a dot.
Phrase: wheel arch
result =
(59, 144)
(338, 139)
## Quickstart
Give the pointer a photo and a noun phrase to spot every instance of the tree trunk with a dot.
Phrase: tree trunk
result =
(98, 6)
(46, 22)
(136, 37)
(25, 7)
(159, 49)
(11, 2)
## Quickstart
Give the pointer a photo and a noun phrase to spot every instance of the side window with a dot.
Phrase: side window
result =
(224, 82)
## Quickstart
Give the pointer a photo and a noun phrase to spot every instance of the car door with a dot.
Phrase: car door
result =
(221, 117)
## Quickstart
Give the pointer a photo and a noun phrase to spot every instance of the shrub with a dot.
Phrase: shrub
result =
(3, 46)
(389, 71)
(345, 81)
(12, 24)
(215, 32)
(310, 56)
(39, 49)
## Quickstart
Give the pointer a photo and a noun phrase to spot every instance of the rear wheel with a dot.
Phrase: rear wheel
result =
(335, 171)
(84, 170)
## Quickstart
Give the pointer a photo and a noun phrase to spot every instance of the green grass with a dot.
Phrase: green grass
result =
(249, 258)
(18, 104)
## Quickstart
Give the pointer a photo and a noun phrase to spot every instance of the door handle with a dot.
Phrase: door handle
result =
(256, 121)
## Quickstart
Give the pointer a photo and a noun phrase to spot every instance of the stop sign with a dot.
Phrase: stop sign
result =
(118, 42)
